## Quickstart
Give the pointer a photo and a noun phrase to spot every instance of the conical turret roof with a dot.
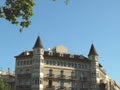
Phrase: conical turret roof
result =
(38, 43)
(92, 51)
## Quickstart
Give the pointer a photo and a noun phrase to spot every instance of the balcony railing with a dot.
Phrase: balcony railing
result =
(72, 88)
(27, 75)
(72, 77)
(61, 76)
(83, 88)
(61, 88)
(83, 79)
(49, 87)
(23, 87)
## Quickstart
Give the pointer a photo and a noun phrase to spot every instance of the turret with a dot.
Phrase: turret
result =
(93, 54)
(38, 65)
(38, 47)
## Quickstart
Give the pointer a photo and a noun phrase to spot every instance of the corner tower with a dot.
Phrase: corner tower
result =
(93, 56)
(38, 65)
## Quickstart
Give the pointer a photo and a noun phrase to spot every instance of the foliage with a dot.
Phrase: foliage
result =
(3, 85)
(19, 12)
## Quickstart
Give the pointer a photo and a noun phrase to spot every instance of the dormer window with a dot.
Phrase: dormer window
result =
(61, 54)
(50, 53)
(26, 53)
(71, 56)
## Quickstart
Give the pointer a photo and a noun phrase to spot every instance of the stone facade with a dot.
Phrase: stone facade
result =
(56, 69)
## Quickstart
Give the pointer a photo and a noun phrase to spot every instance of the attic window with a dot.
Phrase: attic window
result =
(81, 57)
(50, 53)
(61, 54)
(71, 56)
(26, 53)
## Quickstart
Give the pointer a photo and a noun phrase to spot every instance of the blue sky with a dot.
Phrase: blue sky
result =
(76, 25)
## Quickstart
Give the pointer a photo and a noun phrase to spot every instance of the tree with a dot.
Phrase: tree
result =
(19, 12)
(4, 85)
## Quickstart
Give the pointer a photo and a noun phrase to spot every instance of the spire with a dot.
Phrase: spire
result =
(38, 43)
(92, 51)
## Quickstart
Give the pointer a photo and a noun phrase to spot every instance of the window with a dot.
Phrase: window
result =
(47, 62)
(72, 64)
(20, 82)
(38, 51)
(79, 66)
(61, 73)
(37, 60)
(27, 82)
(68, 64)
(86, 66)
(50, 53)
(50, 72)
(21, 62)
(81, 75)
(50, 83)
(50, 62)
(28, 62)
(18, 63)
(41, 81)
(82, 66)
(58, 63)
(71, 56)
(24, 62)
(75, 65)
(61, 63)
(54, 62)
(36, 80)
(27, 71)
(64, 63)
(61, 84)
(72, 74)
(72, 84)
(93, 74)
(21, 71)
(61, 54)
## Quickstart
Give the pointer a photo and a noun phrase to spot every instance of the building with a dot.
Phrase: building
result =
(56, 69)
(8, 77)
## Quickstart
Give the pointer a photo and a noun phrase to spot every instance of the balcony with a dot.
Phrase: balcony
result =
(61, 88)
(27, 75)
(23, 87)
(49, 76)
(83, 88)
(72, 78)
(83, 79)
(61, 76)
(49, 87)
(72, 88)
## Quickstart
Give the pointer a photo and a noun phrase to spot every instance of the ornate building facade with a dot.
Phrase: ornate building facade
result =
(56, 69)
